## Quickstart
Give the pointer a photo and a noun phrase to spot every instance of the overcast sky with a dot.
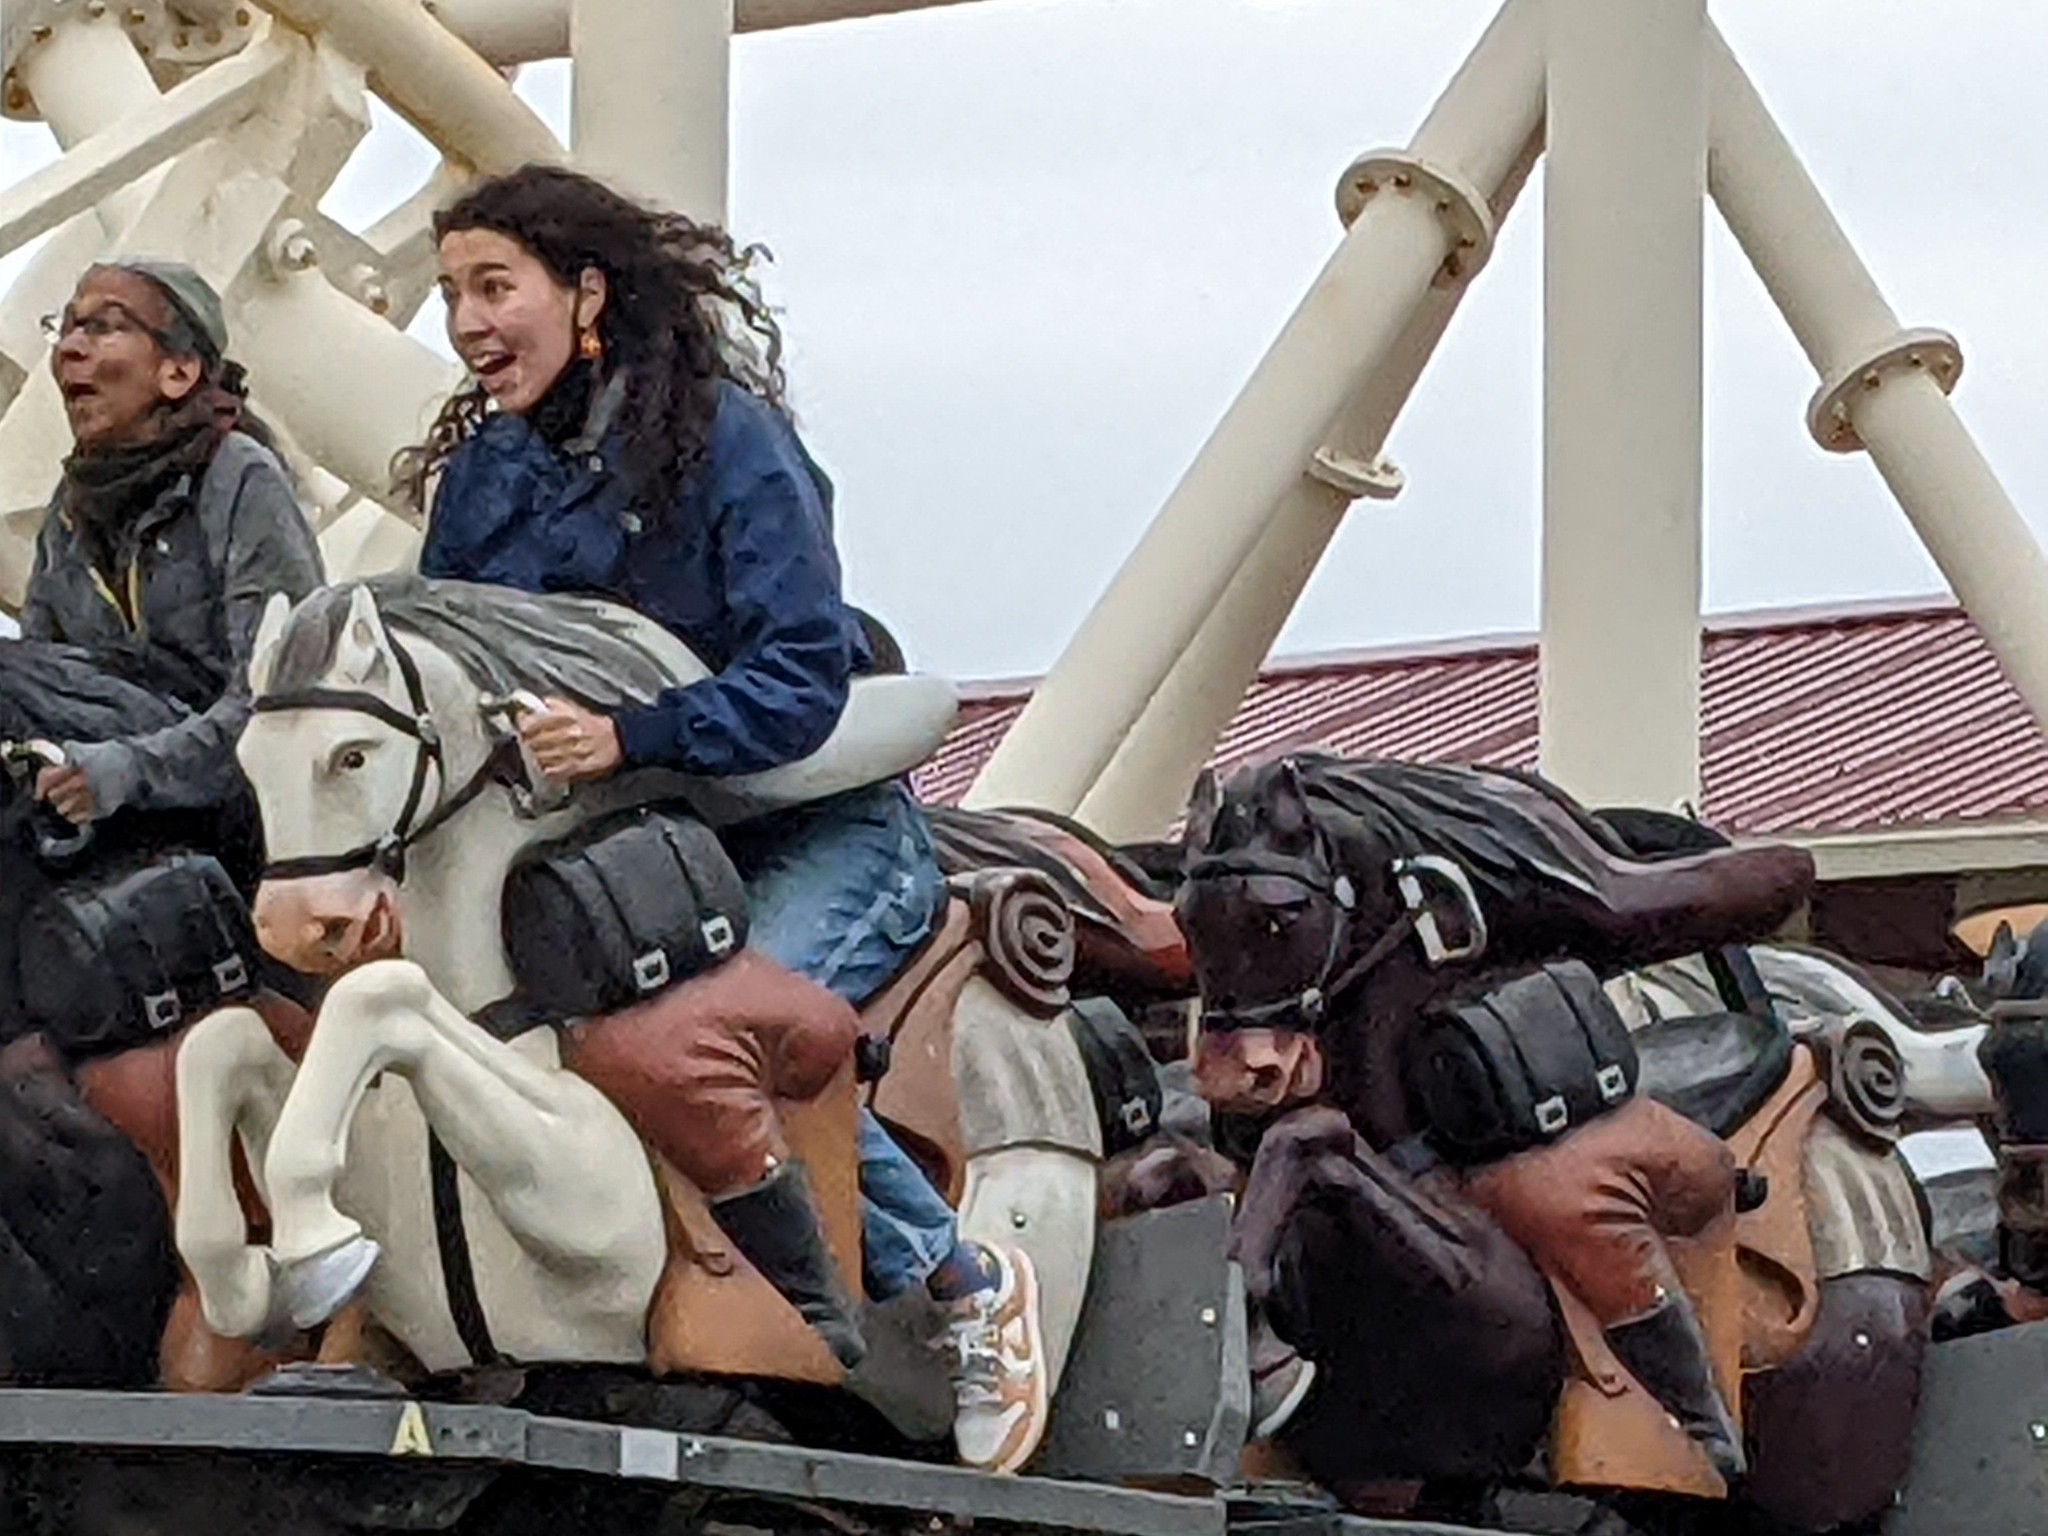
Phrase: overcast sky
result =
(1028, 251)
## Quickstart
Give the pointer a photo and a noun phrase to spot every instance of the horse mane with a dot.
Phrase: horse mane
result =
(597, 653)
(1506, 829)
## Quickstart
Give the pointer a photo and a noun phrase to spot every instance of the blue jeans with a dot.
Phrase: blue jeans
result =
(844, 892)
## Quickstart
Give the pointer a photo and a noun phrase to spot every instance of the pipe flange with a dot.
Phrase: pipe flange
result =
(1381, 480)
(1464, 211)
(176, 38)
(1831, 416)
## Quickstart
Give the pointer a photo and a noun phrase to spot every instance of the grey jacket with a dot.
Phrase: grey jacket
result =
(198, 567)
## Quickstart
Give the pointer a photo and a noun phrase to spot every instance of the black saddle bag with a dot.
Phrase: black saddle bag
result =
(619, 910)
(1519, 1065)
(117, 958)
(1122, 1075)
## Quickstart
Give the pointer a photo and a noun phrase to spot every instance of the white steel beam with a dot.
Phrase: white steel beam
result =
(1405, 240)
(431, 78)
(527, 31)
(651, 97)
(1882, 388)
(84, 78)
(1498, 94)
(135, 144)
(1624, 194)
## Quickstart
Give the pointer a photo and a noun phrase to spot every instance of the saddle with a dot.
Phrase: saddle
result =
(1006, 945)
(1127, 944)
(1008, 933)
(1716, 1069)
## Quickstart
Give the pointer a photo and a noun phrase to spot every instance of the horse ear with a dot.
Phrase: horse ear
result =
(363, 653)
(1287, 812)
(269, 632)
(1204, 805)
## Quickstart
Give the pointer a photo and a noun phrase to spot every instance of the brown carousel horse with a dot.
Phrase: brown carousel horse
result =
(1342, 917)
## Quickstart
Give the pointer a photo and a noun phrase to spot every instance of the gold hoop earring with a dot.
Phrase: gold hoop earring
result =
(590, 345)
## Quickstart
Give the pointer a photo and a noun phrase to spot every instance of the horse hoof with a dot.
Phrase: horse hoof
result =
(318, 1287)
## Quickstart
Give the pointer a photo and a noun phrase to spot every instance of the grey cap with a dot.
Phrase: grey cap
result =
(190, 295)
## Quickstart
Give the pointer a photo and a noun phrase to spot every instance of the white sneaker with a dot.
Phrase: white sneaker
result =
(1000, 1402)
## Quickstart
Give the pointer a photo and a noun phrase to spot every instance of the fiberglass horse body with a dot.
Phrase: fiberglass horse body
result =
(1330, 907)
(393, 808)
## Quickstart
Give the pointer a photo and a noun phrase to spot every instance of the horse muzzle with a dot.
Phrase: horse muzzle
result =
(1248, 1071)
(323, 925)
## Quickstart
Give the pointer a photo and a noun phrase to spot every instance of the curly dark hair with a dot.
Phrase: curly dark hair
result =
(683, 312)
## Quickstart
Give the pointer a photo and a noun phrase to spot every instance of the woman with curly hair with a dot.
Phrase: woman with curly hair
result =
(625, 435)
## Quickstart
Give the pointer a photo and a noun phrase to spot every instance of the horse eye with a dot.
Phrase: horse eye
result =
(352, 760)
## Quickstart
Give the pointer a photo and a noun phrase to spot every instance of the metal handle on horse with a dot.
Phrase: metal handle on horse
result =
(539, 795)
(1414, 877)
(57, 838)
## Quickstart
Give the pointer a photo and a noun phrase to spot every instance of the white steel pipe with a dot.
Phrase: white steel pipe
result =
(1624, 195)
(1146, 784)
(118, 155)
(651, 98)
(304, 342)
(430, 77)
(526, 31)
(1355, 316)
(85, 78)
(1899, 412)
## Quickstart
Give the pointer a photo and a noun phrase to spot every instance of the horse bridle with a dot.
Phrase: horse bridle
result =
(386, 854)
(1319, 875)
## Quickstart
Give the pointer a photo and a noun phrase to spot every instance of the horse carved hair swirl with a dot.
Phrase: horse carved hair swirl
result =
(684, 312)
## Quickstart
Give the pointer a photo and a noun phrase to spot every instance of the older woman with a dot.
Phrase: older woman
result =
(626, 436)
(172, 527)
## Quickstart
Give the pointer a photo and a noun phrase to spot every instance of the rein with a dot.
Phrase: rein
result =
(386, 854)
(1312, 1003)
(1413, 877)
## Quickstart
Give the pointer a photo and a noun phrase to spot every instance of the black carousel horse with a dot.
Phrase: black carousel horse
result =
(87, 1265)
(1339, 903)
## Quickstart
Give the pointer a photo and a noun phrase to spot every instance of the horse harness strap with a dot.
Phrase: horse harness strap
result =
(387, 853)
(1312, 1002)
(458, 1271)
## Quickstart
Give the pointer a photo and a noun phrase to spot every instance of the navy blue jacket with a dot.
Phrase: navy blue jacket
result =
(742, 570)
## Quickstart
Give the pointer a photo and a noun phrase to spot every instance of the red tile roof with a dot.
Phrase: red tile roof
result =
(1815, 721)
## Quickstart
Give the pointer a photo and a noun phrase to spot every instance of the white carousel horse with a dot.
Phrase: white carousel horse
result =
(371, 755)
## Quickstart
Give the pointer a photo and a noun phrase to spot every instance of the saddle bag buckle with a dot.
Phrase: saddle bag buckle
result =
(162, 1009)
(1612, 1081)
(1553, 1115)
(718, 934)
(650, 971)
(231, 975)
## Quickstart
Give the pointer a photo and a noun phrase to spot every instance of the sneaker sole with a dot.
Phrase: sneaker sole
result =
(1038, 1411)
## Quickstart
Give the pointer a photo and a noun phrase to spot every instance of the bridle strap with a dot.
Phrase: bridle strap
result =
(1322, 877)
(387, 853)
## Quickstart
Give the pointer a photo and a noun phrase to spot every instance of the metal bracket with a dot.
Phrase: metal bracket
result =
(1381, 480)
(1831, 415)
(1467, 216)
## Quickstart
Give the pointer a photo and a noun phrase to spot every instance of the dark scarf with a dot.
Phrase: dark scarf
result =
(107, 489)
(561, 413)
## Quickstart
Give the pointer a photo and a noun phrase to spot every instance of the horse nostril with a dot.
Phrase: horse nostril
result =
(332, 930)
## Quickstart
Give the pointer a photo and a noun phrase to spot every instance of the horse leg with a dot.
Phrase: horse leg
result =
(1033, 1145)
(520, 1130)
(231, 1078)
(1040, 1199)
(1437, 1353)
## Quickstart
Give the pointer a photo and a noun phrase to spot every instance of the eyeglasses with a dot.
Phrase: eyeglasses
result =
(107, 320)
